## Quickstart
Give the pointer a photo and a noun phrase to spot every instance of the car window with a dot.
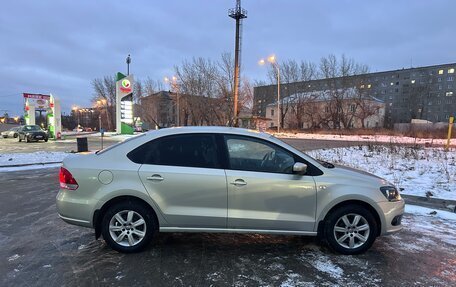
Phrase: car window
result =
(252, 154)
(190, 150)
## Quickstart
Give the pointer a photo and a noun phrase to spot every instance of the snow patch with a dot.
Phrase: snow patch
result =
(14, 257)
(324, 264)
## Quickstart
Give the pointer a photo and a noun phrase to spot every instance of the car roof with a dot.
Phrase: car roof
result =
(207, 129)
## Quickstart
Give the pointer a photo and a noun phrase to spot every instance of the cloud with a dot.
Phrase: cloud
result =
(61, 46)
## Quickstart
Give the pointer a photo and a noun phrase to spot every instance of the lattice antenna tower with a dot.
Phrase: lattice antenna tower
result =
(237, 14)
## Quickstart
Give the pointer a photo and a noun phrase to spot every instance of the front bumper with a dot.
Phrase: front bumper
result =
(392, 214)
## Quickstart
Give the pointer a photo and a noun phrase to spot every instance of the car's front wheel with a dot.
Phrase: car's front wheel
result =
(350, 229)
(128, 226)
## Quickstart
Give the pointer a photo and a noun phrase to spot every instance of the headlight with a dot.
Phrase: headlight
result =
(391, 193)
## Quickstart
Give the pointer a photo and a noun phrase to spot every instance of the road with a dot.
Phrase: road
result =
(38, 249)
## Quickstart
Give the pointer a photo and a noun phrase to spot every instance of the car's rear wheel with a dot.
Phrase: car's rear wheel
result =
(15, 135)
(350, 229)
(19, 138)
(27, 139)
(128, 226)
(45, 140)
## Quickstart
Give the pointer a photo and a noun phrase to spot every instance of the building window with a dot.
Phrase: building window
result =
(369, 86)
(272, 124)
(413, 81)
(451, 71)
(440, 87)
(450, 79)
(430, 103)
(396, 90)
(397, 83)
(439, 79)
(392, 84)
(352, 108)
(449, 94)
(362, 87)
(450, 86)
(440, 72)
(391, 104)
(447, 117)
(272, 112)
(439, 102)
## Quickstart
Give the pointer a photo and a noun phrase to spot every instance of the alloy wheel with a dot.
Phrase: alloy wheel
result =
(127, 228)
(351, 231)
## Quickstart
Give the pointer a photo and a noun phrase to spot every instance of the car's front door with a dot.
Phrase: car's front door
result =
(263, 191)
(183, 175)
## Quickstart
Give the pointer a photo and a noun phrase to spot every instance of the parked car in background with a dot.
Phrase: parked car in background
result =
(217, 179)
(30, 133)
(11, 133)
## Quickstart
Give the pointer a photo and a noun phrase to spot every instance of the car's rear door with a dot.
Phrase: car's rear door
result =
(183, 175)
(263, 192)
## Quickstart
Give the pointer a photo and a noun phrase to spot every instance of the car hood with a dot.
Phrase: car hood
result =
(36, 132)
(356, 175)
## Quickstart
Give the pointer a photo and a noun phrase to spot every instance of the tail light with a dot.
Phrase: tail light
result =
(67, 180)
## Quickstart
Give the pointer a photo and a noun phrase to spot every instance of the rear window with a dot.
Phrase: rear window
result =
(117, 144)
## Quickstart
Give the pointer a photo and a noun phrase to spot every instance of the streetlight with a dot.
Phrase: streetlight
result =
(272, 59)
(76, 110)
(175, 86)
(102, 103)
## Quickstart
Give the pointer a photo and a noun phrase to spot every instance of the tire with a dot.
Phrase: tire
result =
(27, 139)
(19, 138)
(350, 229)
(132, 239)
(15, 136)
(45, 140)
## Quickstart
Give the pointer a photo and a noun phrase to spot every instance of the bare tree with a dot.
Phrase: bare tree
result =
(342, 77)
(105, 92)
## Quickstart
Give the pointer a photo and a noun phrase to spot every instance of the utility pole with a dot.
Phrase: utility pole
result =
(238, 14)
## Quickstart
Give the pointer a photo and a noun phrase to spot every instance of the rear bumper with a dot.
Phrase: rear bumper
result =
(392, 216)
(74, 210)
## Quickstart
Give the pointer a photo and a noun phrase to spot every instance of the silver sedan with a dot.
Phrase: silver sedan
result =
(217, 179)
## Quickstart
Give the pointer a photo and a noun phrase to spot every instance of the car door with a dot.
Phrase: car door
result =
(263, 192)
(183, 175)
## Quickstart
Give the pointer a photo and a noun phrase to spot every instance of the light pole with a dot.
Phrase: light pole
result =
(175, 86)
(76, 110)
(272, 59)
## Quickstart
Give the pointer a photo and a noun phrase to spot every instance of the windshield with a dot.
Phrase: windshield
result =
(32, 128)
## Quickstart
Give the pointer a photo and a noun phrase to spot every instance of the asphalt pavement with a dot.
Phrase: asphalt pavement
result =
(39, 249)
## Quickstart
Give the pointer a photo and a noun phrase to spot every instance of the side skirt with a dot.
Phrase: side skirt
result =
(234, 230)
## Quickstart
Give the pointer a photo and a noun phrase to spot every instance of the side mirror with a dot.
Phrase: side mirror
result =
(300, 168)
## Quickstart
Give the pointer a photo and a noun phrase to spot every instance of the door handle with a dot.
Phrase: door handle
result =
(155, 177)
(239, 182)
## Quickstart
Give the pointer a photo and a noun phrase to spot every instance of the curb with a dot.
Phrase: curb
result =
(437, 203)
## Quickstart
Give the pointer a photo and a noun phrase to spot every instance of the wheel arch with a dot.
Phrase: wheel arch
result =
(337, 205)
(98, 214)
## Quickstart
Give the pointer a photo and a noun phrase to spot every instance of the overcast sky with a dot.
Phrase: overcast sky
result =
(60, 46)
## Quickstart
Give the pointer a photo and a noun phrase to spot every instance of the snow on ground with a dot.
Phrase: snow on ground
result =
(40, 159)
(416, 170)
(33, 157)
(364, 138)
